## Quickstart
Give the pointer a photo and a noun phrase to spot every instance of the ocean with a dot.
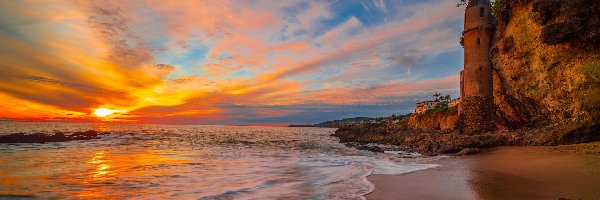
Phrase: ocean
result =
(148, 161)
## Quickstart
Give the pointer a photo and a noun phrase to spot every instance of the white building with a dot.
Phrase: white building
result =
(454, 102)
(425, 105)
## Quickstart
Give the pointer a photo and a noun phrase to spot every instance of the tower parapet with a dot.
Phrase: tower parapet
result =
(472, 3)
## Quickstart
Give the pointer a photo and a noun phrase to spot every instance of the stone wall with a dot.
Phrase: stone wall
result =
(477, 116)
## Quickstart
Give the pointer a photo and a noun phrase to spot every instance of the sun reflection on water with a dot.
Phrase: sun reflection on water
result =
(156, 162)
(100, 127)
(102, 171)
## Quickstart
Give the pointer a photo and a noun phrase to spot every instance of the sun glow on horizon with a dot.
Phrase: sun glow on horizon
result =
(103, 112)
(295, 62)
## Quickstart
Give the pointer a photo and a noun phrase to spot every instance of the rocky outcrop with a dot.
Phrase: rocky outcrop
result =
(435, 121)
(44, 138)
(425, 143)
(546, 64)
(546, 86)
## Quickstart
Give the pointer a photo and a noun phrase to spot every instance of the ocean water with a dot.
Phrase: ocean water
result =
(190, 162)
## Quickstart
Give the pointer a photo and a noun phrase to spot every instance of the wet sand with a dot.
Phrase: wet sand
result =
(501, 173)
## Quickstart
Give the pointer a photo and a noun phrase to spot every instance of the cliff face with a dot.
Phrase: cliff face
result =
(437, 121)
(546, 61)
(546, 86)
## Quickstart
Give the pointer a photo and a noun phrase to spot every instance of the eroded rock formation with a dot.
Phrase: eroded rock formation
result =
(546, 64)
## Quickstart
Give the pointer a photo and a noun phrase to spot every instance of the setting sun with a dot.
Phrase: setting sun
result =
(300, 99)
(103, 112)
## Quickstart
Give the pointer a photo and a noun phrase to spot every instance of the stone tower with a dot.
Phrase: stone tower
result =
(477, 108)
(476, 77)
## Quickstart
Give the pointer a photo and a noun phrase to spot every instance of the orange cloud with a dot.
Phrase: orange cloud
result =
(62, 60)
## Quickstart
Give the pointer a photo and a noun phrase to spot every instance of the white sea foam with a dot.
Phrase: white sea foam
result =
(404, 154)
(159, 161)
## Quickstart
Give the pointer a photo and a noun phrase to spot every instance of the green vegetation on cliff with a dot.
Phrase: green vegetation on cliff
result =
(440, 108)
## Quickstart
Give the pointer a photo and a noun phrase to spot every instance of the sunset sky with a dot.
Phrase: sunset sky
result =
(225, 62)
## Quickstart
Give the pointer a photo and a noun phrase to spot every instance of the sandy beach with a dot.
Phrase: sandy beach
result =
(500, 173)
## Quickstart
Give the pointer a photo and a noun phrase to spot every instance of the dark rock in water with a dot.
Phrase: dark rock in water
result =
(422, 142)
(85, 135)
(22, 138)
(371, 148)
(17, 196)
(57, 137)
(468, 151)
(43, 138)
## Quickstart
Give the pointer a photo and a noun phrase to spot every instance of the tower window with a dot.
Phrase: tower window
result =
(481, 11)
(478, 41)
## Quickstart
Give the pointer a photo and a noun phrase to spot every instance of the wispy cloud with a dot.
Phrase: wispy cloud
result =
(226, 62)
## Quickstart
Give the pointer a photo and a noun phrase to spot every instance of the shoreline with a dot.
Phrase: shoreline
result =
(511, 172)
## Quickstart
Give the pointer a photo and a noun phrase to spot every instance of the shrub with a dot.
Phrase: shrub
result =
(576, 21)
(440, 108)
(501, 11)
(453, 109)
(508, 44)
(496, 6)
(591, 69)
(547, 9)
(557, 33)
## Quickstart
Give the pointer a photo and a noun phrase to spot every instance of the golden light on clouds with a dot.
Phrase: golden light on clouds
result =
(93, 61)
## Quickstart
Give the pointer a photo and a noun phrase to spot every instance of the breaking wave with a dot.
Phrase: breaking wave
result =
(207, 162)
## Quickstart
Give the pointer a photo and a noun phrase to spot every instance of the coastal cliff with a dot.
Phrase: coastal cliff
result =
(545, 59)
(434, 121)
